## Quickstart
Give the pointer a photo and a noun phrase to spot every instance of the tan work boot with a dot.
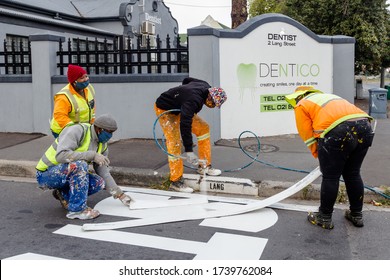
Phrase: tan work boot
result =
(58, 195)
(179, 186)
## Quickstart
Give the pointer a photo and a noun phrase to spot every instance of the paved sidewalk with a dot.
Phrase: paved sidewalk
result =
(140, 162)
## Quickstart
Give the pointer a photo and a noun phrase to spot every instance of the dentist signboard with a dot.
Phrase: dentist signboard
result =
(263, 60)
(269, 63)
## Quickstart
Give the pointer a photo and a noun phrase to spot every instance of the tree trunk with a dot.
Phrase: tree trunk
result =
(383, 73)
(239, 12)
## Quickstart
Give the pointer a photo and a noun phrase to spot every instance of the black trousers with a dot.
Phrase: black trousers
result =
(341, 153)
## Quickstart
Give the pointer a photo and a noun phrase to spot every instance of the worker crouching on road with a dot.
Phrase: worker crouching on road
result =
(75, 103)
(339, 134)
(189, 98)
(64, 167)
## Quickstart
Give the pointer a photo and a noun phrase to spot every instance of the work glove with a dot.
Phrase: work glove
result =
(101, 160)
(125, 199)
(191, 158)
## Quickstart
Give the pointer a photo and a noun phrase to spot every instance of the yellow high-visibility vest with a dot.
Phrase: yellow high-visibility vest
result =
(49, 158)
(81, 109)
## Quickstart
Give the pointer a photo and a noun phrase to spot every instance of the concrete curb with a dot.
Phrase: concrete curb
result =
(150, 178)
(17, 168)
(311, 192)
(136, 176)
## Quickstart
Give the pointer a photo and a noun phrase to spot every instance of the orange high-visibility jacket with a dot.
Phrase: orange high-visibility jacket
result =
(70, 107)
(318, 113)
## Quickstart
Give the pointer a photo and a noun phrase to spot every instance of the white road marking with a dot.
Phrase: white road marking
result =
(148, 203)
(32, 256)
(249, 222)
(224, 246)
(239, 246)
(204, 213)
(157, 242)
(227, 199)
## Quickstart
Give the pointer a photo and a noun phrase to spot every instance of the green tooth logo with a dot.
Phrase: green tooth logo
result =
(246, 74)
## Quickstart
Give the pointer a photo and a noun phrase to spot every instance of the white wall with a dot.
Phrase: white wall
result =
(15, 107)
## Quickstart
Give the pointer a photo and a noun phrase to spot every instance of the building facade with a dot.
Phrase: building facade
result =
(257, 64)
(82, 19)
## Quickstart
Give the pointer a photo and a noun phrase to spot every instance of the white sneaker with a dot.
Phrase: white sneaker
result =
(179, 186)
(209, 171)
(87, 214)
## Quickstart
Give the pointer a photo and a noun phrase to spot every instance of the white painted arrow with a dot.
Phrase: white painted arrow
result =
(239, 247)
(203, 213)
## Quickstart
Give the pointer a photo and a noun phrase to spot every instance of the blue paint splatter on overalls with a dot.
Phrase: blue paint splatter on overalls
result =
(74, 181)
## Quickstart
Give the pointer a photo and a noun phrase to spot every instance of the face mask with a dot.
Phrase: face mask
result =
(104, 136)
(82, 85)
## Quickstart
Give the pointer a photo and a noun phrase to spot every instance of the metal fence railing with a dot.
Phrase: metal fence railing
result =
(143, 55)
(15, 58)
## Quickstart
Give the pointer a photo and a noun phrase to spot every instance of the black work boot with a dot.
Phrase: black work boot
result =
(320, 219)
(356, 218)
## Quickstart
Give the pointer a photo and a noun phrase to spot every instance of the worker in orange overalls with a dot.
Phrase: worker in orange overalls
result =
(189, 98)
(339, 134)
(75, 103)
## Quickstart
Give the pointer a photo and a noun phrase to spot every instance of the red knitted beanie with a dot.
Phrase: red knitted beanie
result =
(75, 72)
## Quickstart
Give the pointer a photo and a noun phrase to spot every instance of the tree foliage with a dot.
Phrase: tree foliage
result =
(258, 7)
(386, 53)
(365, 20)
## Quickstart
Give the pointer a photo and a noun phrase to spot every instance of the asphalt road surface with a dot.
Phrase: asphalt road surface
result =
(32, 223)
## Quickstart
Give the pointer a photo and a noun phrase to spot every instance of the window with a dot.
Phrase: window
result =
(93, 52)
(17, 54)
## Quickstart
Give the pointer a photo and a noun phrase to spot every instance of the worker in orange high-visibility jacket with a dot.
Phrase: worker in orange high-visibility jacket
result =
(75, 103)
(189, 98)
(339, 134)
